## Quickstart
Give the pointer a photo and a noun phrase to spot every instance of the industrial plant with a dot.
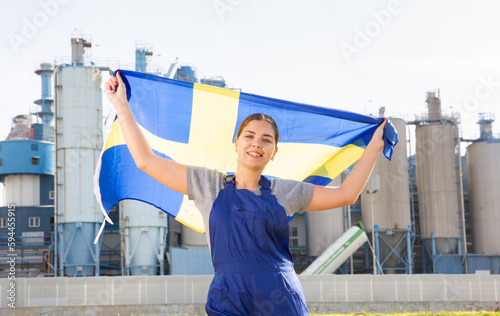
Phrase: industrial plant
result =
(434, 209)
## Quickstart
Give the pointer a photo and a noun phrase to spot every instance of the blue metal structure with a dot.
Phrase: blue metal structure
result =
(29, 156)
(405, 264)
(449, 248)
(46, 101)
(23, 213)
(27, 170)
(186, 73)
(33, 246)
(483, 264)
(186, 261)
(142, 54)
(77, 253)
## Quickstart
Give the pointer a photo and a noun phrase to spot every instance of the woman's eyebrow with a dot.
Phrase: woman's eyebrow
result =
(252, 132)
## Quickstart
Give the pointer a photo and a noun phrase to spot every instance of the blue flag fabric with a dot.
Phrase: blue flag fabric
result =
(196, 124)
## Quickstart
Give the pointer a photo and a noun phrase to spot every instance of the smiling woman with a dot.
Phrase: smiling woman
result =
(256, 143)
(245, 215)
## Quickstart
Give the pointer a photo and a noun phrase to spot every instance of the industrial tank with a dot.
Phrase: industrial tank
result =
(324, 227)
(26, 158)
(391, 203)
(78, 146)
(144, 230)
(22, 189)
(186, 73)
(484, 186)
(190, 237)
(437, 182)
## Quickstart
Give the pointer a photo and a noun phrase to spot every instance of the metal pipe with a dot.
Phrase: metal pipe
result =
(162, 250)
(373, 235)
(412, 194)
(167, 255)
(462, 201)
(122, 239)
(306, 216)
(424, 260)
(56, 212)
(377, 250)
(367, 257)
(349, 223)
(97, 251)
(433, 241)
(459, 250)
(409, 249)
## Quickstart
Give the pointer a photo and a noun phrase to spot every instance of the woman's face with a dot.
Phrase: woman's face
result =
(256, 145)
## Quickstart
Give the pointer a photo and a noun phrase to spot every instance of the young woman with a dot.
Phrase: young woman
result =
(245, 215)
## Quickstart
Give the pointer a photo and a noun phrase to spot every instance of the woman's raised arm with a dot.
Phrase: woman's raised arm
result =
(169, 173)
(325, 198)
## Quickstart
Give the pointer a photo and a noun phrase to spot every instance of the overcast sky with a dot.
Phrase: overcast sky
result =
(354, 55)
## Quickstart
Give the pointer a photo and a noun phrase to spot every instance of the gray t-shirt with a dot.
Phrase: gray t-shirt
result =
(205, 184)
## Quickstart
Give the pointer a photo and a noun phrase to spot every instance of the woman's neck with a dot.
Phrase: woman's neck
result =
(247, 179)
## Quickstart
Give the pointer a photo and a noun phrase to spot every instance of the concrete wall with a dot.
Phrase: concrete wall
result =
(199, 309)
(188, 293)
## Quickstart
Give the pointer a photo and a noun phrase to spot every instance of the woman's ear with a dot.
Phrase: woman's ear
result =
(275, 151)
(236, 144)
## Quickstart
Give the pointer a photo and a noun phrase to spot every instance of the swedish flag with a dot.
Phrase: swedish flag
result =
(196, 124)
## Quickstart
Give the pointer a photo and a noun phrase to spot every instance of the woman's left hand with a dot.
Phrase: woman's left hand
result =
(377, 141)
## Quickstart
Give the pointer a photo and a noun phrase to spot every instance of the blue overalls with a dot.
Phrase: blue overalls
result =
(254, 272)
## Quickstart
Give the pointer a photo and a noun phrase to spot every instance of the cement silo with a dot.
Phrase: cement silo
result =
(438, 181)
(391, 205)
(324, 227)
(484, 186)
(144, 230)
(192, 238)
(78, 146)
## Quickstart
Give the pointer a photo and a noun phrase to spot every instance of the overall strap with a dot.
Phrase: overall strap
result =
(265, 185)
(264, 182)
(229, 181)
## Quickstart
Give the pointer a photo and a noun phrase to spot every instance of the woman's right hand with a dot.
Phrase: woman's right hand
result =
(115, 91)
(168, 172)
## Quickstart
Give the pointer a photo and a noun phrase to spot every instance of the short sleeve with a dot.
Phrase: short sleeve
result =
(203, 186)
(294, 196)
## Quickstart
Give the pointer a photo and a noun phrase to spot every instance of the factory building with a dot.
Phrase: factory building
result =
(431, 211)
(27, 172)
